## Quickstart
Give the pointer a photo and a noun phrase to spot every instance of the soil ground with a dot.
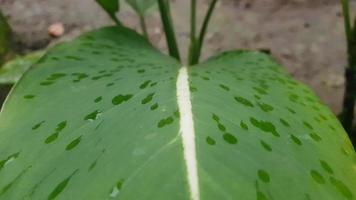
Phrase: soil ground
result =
(306, 36)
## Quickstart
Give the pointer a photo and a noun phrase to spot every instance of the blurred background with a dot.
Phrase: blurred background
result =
(306, 36)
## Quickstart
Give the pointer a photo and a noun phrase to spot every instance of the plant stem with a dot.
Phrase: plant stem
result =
(347, 113)
(347, 21)
(193, 19)
(168, 28)
(143, 26)
(193, 40)
(203, 31)
(117, 22)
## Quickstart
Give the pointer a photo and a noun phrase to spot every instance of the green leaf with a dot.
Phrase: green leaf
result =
(141, 6)
(266, 135)
(12, 71)
(109, 117)
(111, 7)
(6, 40)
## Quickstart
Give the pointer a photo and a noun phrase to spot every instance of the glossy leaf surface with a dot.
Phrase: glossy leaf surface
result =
(98, 118)
(263, 135)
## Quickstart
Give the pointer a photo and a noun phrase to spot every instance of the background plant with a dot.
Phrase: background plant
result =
(347, 114)
(6, 40)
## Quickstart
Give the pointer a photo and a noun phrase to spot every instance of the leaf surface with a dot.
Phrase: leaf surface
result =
(262, 135)
(101, 118)
(111, 7)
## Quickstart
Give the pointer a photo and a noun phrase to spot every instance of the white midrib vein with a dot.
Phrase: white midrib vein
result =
(187, 132)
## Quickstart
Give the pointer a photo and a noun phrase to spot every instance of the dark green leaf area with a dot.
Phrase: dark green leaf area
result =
(296, 140)
(165, 122)
(59, 128)
(227, 137)
(148, 98)
(119, 99)
(193, 89)
(10, 157)
(56, 76)
(216, 118)
(266, 146)
(116, 189)
(326, 167)
(284, 122)
(141, 71)
(51, 79)
(308, 125)
(243, 125)
(265, 126)
(265, 107)
(51, 138)
(73, 144)
(261, 196)
(154, 106)
(145, 84)
(342, 188)
(243, 101)
(317, 177)
(79, 76)
(29, 96)
(315, 137)
(221, 127)
(210, 141)
(261, 91)
(93, 115)
(60, 187)
(263, 176)
(98, 99)
(119, 184)
(38, 125)
(224, 87)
